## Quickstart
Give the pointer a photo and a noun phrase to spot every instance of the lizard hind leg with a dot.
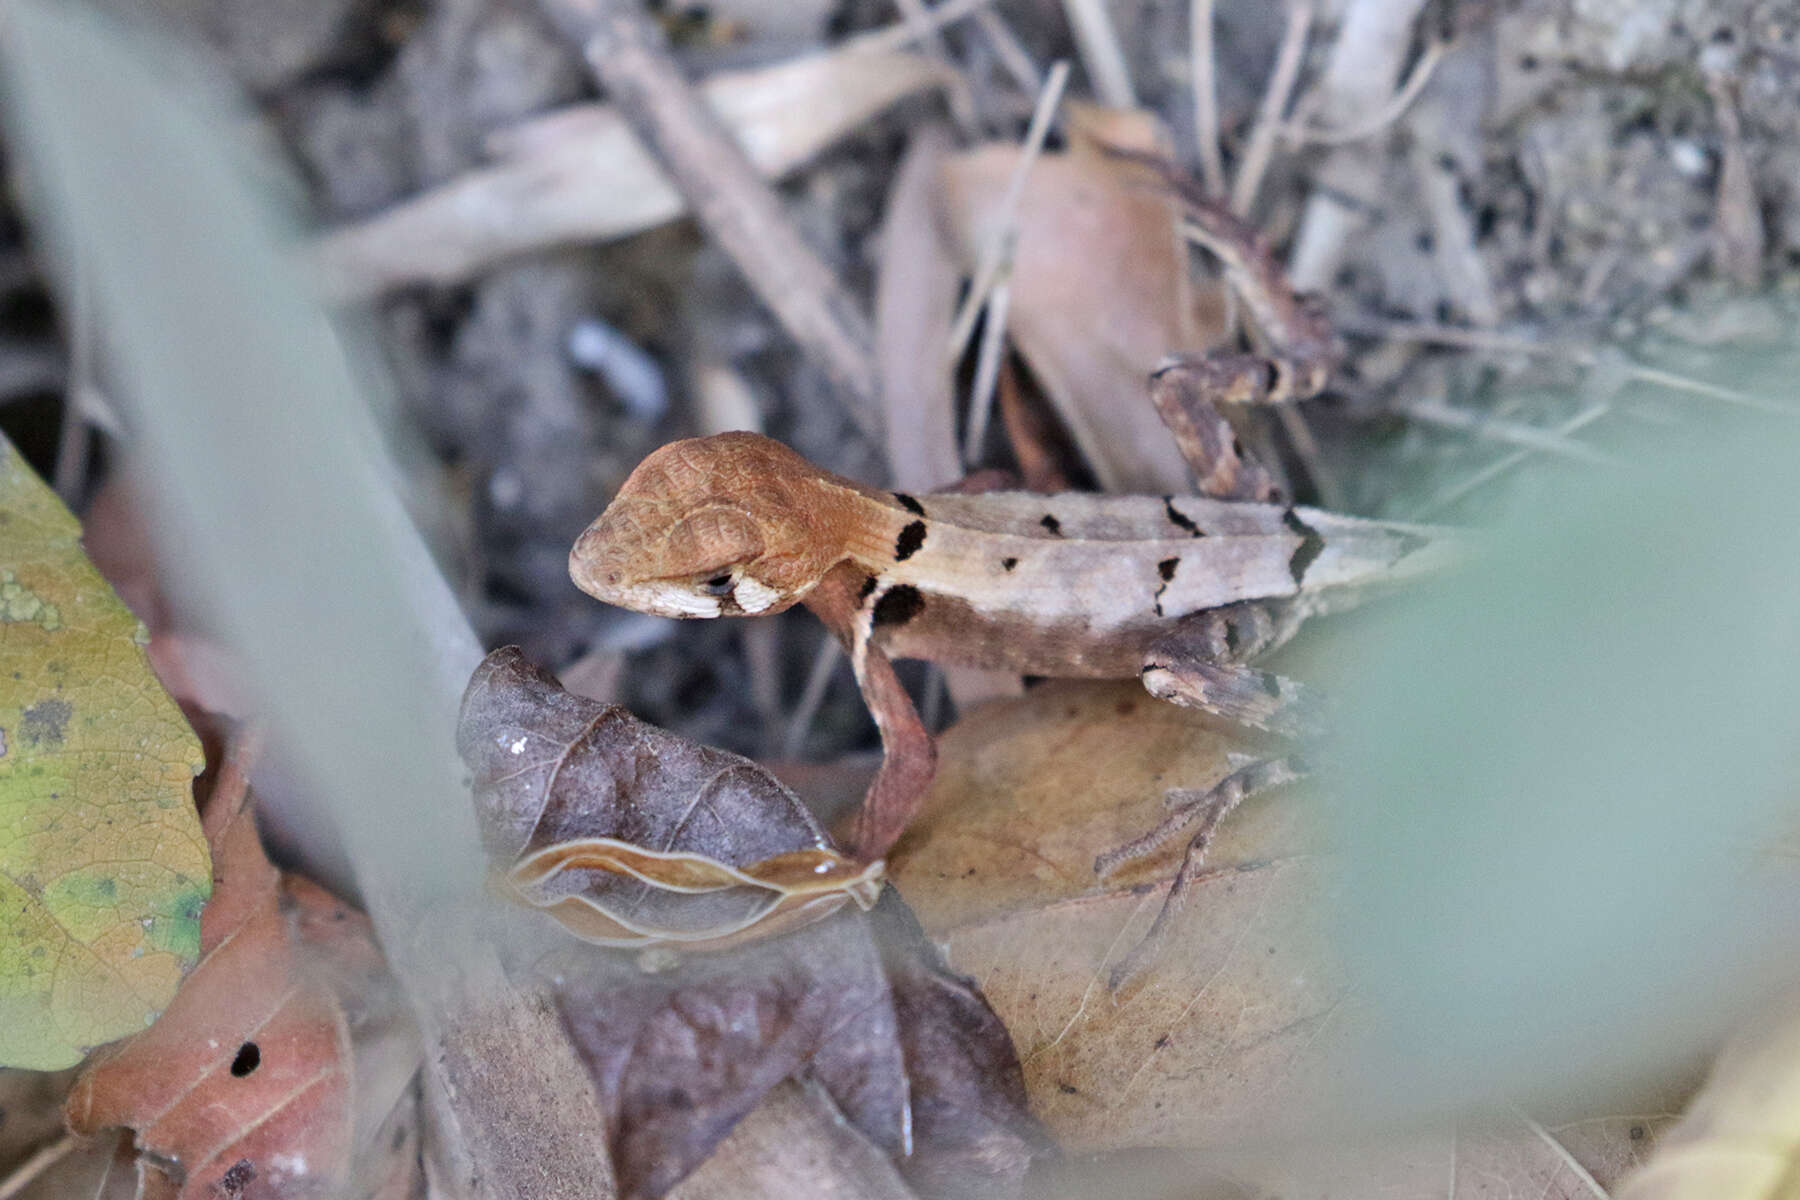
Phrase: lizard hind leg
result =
(1209, 807)
(1201, 664)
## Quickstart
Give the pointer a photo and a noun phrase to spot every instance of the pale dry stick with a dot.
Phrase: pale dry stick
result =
(903, 33)
(988, 358)
(1206, 95)
(1098, 44)
(1269, 114)
(1009, 50)
(1297, 133)
(824, 665)
(41, 1160)
(1563, 1155)
(997, 253)
(1478, 339)
(731, 200)
(1359, 77)
(1504, 464)
(72, 438)
(1433, 412)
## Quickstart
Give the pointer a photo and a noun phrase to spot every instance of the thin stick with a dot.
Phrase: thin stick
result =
(1098, 44)
(931, 41)
(904, 33)
(997, 253)
(1274, 103)
(41, 1160)
(1297, 134)
(824, 665)
(1504, 464)
(732, 202)
(1435, 413)
(1009, 50)
(1206, 95)
(987, 368)
(72, 438)
(1479, 339)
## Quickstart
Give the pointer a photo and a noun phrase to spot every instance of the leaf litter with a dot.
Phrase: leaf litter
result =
(682, 1046)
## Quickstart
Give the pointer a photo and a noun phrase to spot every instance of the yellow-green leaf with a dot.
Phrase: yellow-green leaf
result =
(103, 870)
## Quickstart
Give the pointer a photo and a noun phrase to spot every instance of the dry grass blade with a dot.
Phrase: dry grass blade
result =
(1269, 116)
(1482, 425)
(1101, 53)
(1501, 466)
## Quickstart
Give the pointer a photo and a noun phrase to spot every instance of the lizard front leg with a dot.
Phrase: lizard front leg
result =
(846, 602)
(1189, 394)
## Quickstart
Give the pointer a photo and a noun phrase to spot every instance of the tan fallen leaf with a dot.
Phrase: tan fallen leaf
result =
(1100, 288)
(579, 174)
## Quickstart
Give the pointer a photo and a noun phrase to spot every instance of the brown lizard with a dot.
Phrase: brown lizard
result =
(1181, 590)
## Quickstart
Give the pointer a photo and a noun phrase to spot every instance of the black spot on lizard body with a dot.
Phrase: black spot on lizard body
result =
(909, 504)
(1008, 563)
(1180, 519)
(897, 606)
(868, 588)
(1166, 570)
(1310, 547)
(1052, 524)
(909, 541)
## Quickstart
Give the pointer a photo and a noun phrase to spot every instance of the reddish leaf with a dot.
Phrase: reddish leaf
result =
(244, 1086)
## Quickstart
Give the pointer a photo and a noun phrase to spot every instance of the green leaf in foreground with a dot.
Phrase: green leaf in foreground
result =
(103, 869)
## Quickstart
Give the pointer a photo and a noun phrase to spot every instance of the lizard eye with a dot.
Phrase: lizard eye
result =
(719, 585)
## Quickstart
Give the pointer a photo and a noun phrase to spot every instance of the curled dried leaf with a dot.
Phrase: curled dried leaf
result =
(631, 836)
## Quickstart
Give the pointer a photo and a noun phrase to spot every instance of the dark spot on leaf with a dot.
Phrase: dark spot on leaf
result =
(1052, 524)
(1009, 563)
(1180, 519)
(238, 1177)
(909, 504)
(1068, 1089)
(1166, 568)
(249, 1057)
(898, 605)
(1310, 547)
(1637, 1133)
(46, 722)
(868, 587)
(909, 541)
(1164, 1042)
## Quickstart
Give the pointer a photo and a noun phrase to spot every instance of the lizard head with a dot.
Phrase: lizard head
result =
(715, 526)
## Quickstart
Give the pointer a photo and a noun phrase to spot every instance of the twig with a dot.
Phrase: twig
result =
(1298, 133)
(729, 198)
(1481, 339)
(1269, 118)
(1435, 413)
(1501, 466)
(1206, 95)
(41, 1160)
(824, 665)
(1101, 54)
(72, 438)
(987, 366)
(903, 34)
(1009, 50)
(997, 252)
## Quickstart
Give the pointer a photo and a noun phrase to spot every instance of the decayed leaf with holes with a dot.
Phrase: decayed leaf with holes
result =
(282, 1054)
(1228, 1036)
(1100, 290)
(911, 1055)
(631, 836)
(103, 869)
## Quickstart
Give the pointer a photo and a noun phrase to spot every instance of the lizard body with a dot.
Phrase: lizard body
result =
(1064, 585)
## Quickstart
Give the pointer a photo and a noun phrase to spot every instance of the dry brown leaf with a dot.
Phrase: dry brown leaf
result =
(1227, 1040)
(1214, 1042)
(682, 1048)
(248, 1085)
(1100, 289)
